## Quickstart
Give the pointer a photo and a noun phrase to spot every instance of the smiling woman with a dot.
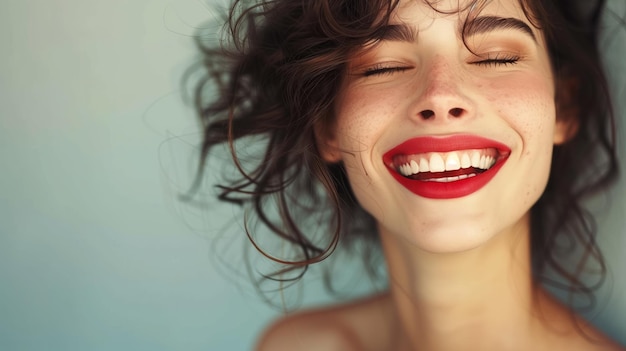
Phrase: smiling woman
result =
(441, 107)
(456, 127)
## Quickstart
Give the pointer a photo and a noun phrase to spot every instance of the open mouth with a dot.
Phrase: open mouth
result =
(445, 167)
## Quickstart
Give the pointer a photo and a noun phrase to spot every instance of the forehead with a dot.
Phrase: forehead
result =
(470, 16)
(429, 9)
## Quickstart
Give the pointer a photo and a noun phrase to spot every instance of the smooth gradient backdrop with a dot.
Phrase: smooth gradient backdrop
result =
(97, 252)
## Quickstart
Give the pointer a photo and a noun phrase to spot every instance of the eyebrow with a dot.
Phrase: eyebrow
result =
(486, 24)
(396, 32)
(479, 25)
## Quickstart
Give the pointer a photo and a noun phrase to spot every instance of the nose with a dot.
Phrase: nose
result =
(440, 95)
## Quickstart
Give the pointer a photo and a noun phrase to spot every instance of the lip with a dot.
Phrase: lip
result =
(449, 190)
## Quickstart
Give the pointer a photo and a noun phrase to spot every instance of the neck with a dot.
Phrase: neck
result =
(449, 301)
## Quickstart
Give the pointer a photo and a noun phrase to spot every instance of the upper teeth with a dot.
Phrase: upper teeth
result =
(449, 161)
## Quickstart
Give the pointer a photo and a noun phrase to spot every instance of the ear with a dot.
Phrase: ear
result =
(567, 109)
(565, 130)
(327, 142)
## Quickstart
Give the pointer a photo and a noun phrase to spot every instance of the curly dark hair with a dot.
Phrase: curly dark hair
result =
(278, 71)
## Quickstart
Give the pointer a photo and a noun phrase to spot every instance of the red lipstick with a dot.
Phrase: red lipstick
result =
(433, 184)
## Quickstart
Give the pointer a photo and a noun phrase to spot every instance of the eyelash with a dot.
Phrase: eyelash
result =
(498, 61)
(380, 70)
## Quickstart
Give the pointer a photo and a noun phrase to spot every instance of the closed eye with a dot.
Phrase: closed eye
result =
(384, 70)
(498, 60)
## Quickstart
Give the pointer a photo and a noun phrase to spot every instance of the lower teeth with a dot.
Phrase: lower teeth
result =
(450, 179)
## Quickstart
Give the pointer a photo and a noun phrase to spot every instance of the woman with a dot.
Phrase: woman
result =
(458, 127)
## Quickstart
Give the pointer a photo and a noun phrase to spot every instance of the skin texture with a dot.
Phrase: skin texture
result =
(459, 268)
(512, 104)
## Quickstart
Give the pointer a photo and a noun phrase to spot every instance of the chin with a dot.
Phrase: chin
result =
(451, 239)
(447, 236)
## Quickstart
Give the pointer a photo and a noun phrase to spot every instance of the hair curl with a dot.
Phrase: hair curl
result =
(277, 75)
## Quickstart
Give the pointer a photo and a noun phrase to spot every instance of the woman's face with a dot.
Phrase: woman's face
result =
(444, 146)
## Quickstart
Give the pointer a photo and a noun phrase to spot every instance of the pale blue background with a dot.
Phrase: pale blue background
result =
(96, 252)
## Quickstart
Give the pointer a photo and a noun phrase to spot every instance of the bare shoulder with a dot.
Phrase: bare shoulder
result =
(346, 327)
(308, 331)
(592, 340)
(572, 332)
(597, 340)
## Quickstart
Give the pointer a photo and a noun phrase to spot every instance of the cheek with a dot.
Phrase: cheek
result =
(527, 106)
(528, 109)
(362, 119)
